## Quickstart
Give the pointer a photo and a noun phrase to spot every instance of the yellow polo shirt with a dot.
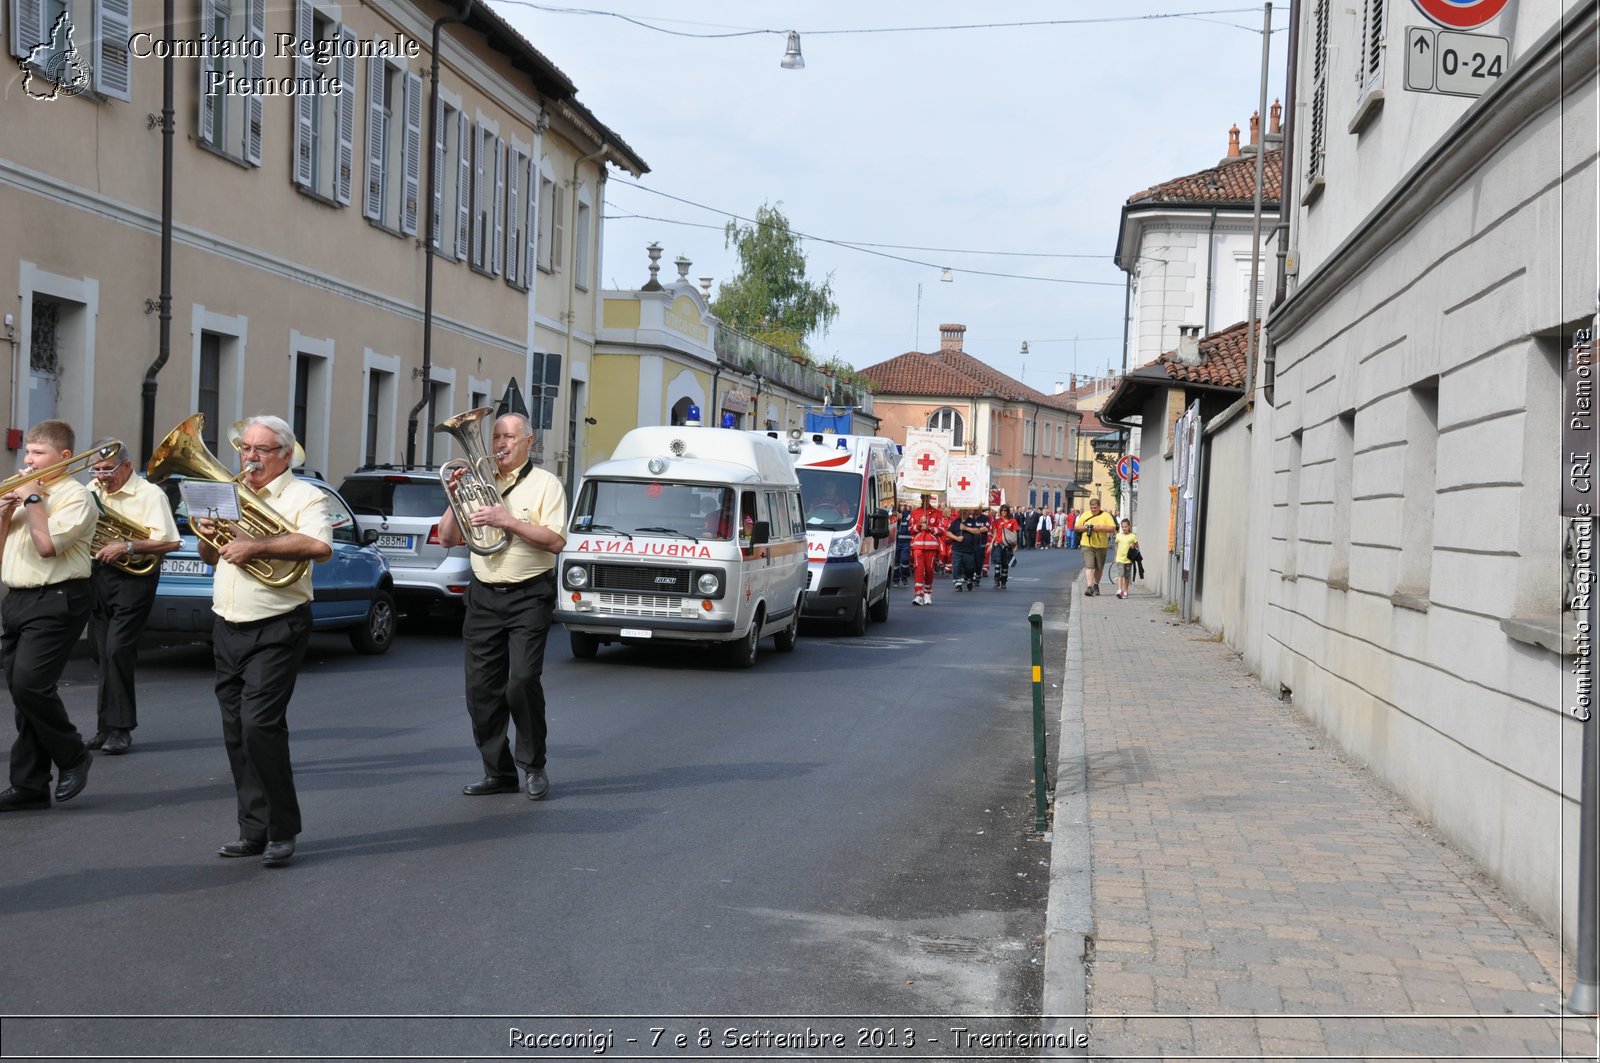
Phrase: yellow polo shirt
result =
(72, 518)
(538, 499)
(239, 597)
(1097, 530)
(143, 503)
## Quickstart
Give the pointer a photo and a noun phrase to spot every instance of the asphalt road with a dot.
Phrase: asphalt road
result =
(845, 830)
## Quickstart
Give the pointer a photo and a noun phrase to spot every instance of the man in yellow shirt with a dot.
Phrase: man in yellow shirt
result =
(510, 604)
(122, 599)
(259, 640)
(45, 527)
(1097, 529)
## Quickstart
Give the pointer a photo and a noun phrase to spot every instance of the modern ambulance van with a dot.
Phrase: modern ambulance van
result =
(686, 534)
(847, 487)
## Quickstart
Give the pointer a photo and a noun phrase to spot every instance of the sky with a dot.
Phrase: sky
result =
(1003, 153)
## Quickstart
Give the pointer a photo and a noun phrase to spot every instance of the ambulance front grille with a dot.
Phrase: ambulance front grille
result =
(638, 604)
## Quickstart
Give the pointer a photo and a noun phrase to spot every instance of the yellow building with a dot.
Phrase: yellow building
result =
(299, 185)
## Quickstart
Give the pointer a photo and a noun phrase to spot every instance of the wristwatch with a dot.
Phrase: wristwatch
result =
(31, 499)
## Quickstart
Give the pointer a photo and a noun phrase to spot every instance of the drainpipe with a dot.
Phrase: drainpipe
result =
(1211, 257)
(1286, 199)
(1251, 345)
(147, 430)
(427, 232)
(572, 287)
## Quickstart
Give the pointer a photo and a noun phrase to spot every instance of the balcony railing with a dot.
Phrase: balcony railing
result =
(746, 354)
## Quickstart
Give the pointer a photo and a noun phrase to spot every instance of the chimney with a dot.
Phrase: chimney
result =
(1275, 129)
(950, 337)
(1189, 344)
(1233, 141)
(1060, 388)
(1255, 128)
(1074, 379)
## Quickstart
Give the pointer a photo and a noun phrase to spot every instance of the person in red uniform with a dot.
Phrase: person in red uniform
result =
(927, 531)
(1003, 534)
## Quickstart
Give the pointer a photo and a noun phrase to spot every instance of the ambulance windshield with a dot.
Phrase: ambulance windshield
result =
(654, 508)
(831, 499)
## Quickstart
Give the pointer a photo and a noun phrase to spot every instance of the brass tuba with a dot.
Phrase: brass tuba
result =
(476, 490)
(184, 453)
(113, 527)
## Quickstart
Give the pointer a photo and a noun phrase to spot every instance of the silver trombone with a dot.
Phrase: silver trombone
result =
(476, 489)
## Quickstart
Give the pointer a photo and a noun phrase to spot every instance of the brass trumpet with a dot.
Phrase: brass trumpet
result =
(184, 453)
(476, 490)
(79, 462)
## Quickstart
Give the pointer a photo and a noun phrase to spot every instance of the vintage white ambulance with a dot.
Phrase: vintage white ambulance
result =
(847, 488)
(686, 534)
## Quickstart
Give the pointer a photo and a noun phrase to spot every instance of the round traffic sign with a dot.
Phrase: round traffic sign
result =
(1460, 14)
(1128, 468)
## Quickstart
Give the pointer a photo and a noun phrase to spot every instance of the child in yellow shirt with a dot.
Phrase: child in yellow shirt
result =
(1123, 569)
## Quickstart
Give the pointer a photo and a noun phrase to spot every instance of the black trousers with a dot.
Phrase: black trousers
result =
(256, 668)
(122, 603)
(504, 635)
(41, 625)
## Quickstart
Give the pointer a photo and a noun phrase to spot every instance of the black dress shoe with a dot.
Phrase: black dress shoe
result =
(490, 785)
(15, 800)
(118, 742)
(72, 779)
(538, 785)
(97, 741)
(278, 853)
(243, 847)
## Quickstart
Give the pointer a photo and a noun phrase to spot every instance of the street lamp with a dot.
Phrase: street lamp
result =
(792, 59)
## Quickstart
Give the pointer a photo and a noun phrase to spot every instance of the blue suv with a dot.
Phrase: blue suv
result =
(353, 590)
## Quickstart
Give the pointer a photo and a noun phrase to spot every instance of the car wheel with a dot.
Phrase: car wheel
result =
(584, 646)
(784, 640)
(856, 626)
(375, 634)
(742, 654)
(880, 608)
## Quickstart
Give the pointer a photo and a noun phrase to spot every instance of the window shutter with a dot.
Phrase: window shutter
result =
(1316, 142)
(497, 247)
(375, 79)
(27, 27)
(479, 237)
(438, 174)
(303, 102)
(208, 103)
(1372, 74)
(532, 232)
(463, 184)
(256, 69)
(344, 176)
(112, 73)
(413, 155)
(558, 222)
(513, 230)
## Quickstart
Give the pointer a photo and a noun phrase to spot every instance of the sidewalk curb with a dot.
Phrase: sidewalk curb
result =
(1069, 914)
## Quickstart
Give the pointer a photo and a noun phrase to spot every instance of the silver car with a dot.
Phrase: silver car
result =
(403, 506)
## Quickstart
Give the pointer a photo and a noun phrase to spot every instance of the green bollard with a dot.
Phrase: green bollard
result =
(1036, 624)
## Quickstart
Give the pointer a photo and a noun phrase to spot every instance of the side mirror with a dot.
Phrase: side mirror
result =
(369, 537)
(762, 533)
(878, 524)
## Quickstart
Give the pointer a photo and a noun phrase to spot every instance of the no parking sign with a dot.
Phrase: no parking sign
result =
(1460, 14)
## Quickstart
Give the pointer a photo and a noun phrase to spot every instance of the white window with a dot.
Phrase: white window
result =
(325, 124)
(381, 407)
(545, 220)
(949, 419)
(518, 214)
(1370, 74)
(394, 146)
(98, 44)
(1028, 430)
(451, 144)
(1317, 137)
(218, 375)
(488, 203)
(230, 119)
(581, 238)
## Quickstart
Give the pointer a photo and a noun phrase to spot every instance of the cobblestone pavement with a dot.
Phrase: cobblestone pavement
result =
(1255, 895)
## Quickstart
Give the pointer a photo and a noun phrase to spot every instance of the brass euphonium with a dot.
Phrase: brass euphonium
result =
(184, 453)
(113, 527)
(476, 490)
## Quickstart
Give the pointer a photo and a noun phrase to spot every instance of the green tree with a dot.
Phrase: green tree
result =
(770, 298)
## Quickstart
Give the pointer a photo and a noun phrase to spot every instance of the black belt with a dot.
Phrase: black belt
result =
(250, 625)
(64, 585)
(548, 576)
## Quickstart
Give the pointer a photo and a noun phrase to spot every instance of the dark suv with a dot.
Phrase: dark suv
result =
(403, 506)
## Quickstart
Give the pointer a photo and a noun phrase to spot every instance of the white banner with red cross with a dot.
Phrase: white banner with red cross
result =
(924, 464)
(969, 482)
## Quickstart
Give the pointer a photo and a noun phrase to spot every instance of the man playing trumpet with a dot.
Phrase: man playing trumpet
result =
(510, 604)
(45, 525)
(260, 638)
(123, 599)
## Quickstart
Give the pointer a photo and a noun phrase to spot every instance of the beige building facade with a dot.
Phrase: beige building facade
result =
(299, 184)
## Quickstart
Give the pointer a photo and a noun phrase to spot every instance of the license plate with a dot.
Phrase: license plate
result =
(395, 542)
(636, 632)
(185, 566)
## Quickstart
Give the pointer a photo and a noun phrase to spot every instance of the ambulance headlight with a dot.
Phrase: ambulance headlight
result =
(708, 584)
(577, 577)
(848, 545)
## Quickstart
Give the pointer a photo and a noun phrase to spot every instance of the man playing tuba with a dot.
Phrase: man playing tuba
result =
(510, 604)
(260, 638)
(122, 599)
(45, 523)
